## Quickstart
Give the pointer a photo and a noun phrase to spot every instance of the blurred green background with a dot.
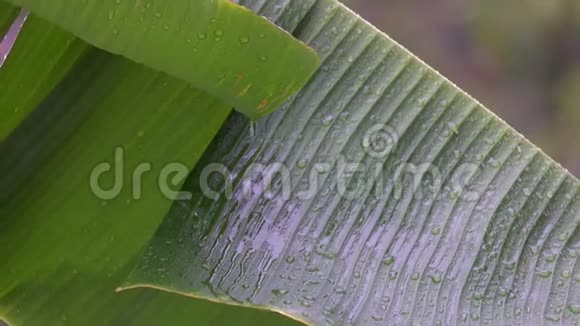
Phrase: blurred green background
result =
(519, 58)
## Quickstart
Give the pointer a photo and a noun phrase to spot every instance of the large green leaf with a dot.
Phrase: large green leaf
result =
(63, 249)
(449, 217)
(216, 45)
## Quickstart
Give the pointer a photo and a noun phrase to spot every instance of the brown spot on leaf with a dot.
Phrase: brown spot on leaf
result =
(263, 105)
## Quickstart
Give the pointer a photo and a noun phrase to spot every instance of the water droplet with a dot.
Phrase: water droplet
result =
(453, 127)
(279, 292)
(340, 290)
(263, 58)
(327, 120)
(436, 231)
(544, 274)
(552, 317)
(312, 269)
(503, 292)
(219, 32)
(252, 129)
(377, 318)
(574, 308)
(202, 36)
(436, 279)
(301, 164)
(290, 260)
(454, 195)
(416, 276)
(158, 14)
(389, 260)
(494, 163)
(551, 258)
(563, 236)
(510, 265)
(566, 274)
(321, 168)
(244, 40)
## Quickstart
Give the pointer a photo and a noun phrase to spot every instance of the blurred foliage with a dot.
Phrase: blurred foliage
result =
(520, 58)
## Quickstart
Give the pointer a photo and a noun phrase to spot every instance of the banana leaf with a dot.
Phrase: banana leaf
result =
(215, 45)
(381, 194)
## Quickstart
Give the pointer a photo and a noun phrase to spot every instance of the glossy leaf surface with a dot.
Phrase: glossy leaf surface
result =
(381, 194)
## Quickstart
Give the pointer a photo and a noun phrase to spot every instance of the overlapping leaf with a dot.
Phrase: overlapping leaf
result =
(216, 45)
